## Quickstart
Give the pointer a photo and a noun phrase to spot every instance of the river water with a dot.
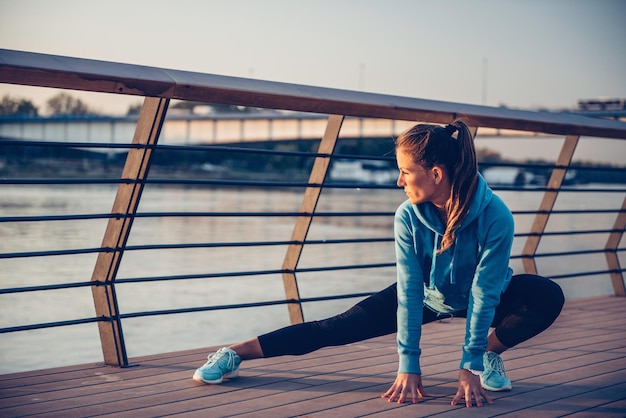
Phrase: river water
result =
(77, 344)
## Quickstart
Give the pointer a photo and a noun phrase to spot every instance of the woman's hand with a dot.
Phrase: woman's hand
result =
(470, 388)
(406, 384)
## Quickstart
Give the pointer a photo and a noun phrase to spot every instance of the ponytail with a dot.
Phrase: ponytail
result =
(463, 180)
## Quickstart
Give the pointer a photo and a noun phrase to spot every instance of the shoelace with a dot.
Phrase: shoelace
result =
(214, 358)
(496, 365)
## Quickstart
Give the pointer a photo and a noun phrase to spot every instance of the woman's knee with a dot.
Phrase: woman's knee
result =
(547, 294)
(556, 296)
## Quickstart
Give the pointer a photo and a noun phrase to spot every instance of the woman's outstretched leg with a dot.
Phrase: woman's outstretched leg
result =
(248, 350)
(372, 317)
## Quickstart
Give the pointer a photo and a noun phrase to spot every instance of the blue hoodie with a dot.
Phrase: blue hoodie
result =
(470, 275)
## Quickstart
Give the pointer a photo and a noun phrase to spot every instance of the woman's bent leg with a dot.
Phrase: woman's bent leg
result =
(372, 317)
(529, 306)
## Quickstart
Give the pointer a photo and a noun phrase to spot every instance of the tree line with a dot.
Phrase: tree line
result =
(60, 104)
(66, 104)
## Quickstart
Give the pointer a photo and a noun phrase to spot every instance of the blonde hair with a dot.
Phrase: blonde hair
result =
(435, 145)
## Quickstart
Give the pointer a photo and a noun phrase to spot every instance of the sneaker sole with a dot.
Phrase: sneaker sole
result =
(493, 389)
(198, 378)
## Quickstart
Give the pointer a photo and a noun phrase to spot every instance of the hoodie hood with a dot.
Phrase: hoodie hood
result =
(427, 213)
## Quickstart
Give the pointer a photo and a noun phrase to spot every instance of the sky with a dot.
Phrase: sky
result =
(522, 54)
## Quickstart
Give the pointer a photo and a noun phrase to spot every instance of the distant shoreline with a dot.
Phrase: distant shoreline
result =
(27, 162)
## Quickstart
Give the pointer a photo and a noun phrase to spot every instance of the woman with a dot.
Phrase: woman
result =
(453, 239)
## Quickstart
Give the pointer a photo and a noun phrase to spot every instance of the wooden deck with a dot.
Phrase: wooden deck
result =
(576, 368)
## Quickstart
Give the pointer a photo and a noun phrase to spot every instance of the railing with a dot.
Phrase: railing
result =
(159, 86)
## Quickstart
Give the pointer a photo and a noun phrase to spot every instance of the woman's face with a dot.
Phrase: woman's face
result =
(419, 184)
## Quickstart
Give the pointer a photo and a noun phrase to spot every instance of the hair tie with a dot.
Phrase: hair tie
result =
(450, 129)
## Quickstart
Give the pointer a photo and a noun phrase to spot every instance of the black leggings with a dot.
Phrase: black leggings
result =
(528, 306)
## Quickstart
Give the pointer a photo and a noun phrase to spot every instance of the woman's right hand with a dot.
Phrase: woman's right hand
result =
(406, 385)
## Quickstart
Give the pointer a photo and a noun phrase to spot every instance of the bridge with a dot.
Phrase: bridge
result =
(192, 129)
(188, 128)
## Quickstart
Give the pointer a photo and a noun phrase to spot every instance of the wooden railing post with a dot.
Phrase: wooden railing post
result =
(547, 204)
(617, 278)
(307, 209)
(118, 229)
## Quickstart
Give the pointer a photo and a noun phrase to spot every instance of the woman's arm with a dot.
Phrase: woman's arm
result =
(491, 274)
(410, 290)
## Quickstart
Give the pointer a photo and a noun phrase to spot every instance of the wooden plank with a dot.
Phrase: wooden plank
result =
(307, 208)
(126, 202)
(609, 410)
(556, 396)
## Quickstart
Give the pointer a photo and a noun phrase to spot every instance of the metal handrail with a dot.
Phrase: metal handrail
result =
(46, 70)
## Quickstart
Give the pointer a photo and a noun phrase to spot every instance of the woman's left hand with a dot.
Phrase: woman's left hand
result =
(470, 388)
